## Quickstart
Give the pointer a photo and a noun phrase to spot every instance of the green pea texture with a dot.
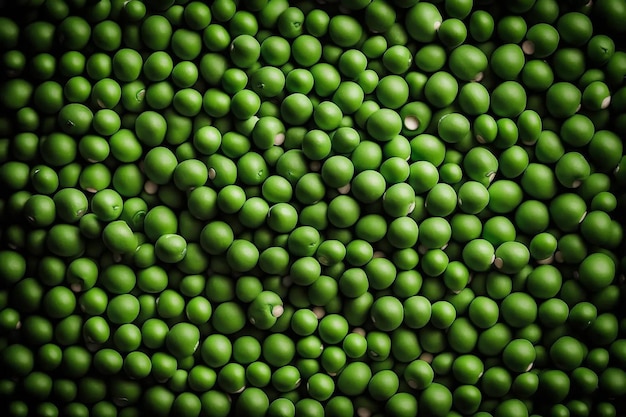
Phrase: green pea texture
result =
(312, 208)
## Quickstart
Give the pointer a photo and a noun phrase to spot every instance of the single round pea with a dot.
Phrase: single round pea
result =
(423, 21)
(441, 89)
(563, 99)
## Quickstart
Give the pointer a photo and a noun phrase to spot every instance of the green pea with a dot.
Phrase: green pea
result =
(92, 178)
(422, 22)
(563, 99)
(106, 122)
(93, 301)
(603, 150)
(158, 66)
(441, 89)
(481, 25)
(571, 169)
(436, 399)
(600, 49)
(44, 179)
(542, 247)
(306, 50)
(265, 309)
(65, 240)
(508, 99)
(107, 205)
(473, 197)
(327, 116)
(371, 228)
(10, 319)
(511, 29)
(553, 312)
(297, 81)
(48, 97)
(40, 210)
(511, 257)
(507, 61)
(282, 217)
(119, 237)
(296, 109)
(452, 32)
(58, 149)
(354, 378)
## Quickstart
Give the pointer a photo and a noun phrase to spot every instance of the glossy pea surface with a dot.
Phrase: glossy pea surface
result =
(281, 208)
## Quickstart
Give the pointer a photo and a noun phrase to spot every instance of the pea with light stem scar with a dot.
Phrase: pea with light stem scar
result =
(265, 310)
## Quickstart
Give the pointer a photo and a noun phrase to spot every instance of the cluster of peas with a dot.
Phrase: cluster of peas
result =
(290, 208)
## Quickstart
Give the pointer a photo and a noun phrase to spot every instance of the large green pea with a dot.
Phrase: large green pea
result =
(436, 399)
(507, 61)
(422, 22)
(65, 240)
(119, 237)
(508, 99)
(541, 41)
(563, 99)
(511, 257)
(354, 378)
(441, 89)
(539, 181)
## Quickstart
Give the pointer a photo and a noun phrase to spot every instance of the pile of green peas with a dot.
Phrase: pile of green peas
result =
(295, 208)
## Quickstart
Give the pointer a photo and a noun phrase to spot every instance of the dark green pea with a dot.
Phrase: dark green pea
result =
(569, 64)
(452, 32)
(596, 96)
(58, 149)
(508, 99)
(513, 161)
(600, 49)
(507, 61)
(40, 210)
(481, 25)
(541, 41)
(44, 179)
(563, 99)
(511, 29)
(537, 75)
(65, 240)
(48, 97)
